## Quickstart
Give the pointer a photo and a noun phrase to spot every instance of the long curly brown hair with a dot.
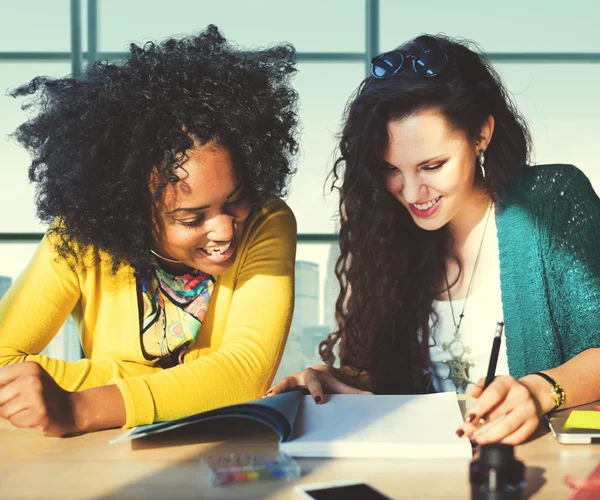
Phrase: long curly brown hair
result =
(390, 269)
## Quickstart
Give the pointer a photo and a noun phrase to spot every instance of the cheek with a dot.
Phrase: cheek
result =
(393, 183)
(182, 237)
(242, 212)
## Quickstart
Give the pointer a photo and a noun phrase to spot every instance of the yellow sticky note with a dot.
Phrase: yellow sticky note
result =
(583, 419)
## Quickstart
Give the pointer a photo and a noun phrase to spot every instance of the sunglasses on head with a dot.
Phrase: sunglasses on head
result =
(429, 63)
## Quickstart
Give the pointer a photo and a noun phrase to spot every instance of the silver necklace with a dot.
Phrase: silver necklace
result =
(456, 365)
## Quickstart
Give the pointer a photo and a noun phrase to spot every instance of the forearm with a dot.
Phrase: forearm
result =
(83, 374)
(579, 377)
(98, 408)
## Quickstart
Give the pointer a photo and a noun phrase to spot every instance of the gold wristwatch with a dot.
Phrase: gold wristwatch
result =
(557, 393)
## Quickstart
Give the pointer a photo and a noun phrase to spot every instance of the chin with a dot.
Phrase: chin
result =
(432, 224)
(214, 268)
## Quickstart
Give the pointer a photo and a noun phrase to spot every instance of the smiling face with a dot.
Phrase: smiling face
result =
(200, 218)
(430, 167)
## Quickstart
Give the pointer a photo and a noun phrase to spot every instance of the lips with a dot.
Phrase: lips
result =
(220, 253)
(426, 209)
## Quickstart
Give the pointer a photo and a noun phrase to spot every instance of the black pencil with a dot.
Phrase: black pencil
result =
(491, 373)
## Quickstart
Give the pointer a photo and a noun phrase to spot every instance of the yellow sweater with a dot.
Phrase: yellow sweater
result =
(234, 359)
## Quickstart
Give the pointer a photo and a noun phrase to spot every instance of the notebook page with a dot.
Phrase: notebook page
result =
(389, 426)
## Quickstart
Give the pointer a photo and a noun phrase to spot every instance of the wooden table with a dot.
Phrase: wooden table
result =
(35, 466)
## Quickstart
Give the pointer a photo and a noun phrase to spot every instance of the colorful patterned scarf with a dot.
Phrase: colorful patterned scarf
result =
(173, 312)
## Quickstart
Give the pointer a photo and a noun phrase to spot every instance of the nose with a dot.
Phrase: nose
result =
(220, 228)
(414, 189)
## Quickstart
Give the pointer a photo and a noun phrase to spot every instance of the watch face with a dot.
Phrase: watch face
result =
(557, 393)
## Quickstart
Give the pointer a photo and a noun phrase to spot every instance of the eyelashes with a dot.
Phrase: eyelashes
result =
(200, 219)
(433, 168)
(192, 223)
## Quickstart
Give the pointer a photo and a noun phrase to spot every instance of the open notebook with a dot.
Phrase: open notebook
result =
(347, 425)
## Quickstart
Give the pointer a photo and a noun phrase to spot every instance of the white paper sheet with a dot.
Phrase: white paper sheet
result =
(390, 426)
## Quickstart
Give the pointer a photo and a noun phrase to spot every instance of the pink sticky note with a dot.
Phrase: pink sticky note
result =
(597, 407)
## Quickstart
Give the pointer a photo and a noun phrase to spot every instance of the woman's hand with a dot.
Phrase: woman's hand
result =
(318, 380)
(29, 397)
(513, 403)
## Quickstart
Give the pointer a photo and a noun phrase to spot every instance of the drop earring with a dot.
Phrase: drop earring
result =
(481, 161)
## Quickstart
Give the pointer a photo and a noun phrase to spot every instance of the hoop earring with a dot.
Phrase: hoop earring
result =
(481, 161)
(165, 258)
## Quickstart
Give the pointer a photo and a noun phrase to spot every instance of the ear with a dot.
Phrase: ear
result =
(485, 134)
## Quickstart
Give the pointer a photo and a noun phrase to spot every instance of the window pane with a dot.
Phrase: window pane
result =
(311, 25)
(39, 26)
(509, 26)
(324, 89)
(561, 105)
(14, 257)
(16, 193)
(316, 292)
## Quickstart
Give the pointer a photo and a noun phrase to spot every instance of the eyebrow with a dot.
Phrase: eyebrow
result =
(424, 162)
(203, 207)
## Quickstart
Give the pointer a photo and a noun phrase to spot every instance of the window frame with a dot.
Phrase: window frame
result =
(372, 40)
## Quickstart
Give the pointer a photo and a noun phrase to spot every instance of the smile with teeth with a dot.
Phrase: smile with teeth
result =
(217, 250)
(428, 205)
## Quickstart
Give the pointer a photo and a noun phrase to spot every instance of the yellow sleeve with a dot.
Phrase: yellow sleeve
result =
(34, 309)
(257, 326)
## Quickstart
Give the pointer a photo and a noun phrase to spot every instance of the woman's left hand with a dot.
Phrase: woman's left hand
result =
(29, 397)
(509, 400)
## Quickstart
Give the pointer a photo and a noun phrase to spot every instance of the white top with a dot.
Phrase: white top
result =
(483, 311)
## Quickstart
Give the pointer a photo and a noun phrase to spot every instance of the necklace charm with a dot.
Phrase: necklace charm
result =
(458, 367)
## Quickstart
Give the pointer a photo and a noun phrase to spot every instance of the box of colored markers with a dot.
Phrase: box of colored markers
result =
(249, 467)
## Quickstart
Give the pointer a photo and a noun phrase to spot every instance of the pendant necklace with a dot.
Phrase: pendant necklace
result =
(457, 366)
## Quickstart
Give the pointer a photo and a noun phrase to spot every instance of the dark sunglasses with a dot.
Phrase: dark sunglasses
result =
(429, 63)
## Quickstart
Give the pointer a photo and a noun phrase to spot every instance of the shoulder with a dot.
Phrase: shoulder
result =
(275, 215)
(540, 185)
(268, 243)
(69, 256)
(556, 200)
(552, 178)
(277, 207)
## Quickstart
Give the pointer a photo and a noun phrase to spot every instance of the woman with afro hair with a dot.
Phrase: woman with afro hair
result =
(160, 180)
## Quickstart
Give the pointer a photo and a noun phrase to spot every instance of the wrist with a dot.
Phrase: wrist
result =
(78, 410)
(98, 408)
(540, 393)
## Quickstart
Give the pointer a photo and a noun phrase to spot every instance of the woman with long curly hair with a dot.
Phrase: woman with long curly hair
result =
(446, 231)
(168, 243)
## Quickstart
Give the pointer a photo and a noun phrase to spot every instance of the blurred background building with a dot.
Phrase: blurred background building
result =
(548, 57)
(5, 283)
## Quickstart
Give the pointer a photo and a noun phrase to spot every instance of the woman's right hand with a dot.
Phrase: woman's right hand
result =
(318, 380)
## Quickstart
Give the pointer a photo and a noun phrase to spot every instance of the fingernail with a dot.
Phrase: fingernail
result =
(460, 433)
(268, 394)
(470, 417)
(318, 399)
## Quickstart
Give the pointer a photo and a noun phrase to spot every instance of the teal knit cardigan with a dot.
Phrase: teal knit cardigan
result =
(549, 243)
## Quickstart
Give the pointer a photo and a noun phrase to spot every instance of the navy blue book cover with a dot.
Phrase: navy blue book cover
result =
(277, 412)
